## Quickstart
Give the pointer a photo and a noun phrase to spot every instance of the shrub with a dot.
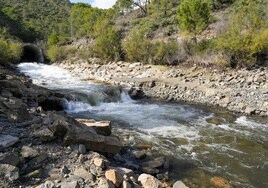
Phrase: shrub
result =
(57, 53)
(247, 38)
(166, 52)
(10, 52)
(138, 48)
(108, 45)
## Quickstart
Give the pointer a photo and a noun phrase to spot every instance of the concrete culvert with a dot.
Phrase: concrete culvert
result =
(32, 53)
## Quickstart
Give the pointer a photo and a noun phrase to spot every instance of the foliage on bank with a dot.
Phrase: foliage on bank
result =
(10, 52)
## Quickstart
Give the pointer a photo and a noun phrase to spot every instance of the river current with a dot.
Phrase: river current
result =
(237, 149)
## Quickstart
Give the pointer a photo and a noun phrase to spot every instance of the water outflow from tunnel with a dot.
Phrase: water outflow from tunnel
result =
(237, 149)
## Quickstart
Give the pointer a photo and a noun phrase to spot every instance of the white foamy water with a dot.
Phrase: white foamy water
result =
(174, 129)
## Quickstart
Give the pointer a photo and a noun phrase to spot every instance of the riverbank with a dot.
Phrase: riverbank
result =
(40, 146)
(242, 91)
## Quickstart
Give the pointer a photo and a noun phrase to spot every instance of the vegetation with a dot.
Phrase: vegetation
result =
(148, 31)
(10, 52)
(247, 39)
(194, 16)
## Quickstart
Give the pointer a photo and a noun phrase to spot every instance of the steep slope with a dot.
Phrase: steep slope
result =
(34, 19)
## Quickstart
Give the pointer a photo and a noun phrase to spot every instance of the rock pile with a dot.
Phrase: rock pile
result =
(43, 148)
(243, 91)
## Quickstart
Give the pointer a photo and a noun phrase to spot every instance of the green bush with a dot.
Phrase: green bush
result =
(166, 52)
(194, 15)
(108, 45)
(57, 53)
(138, 48)
(10, 52)
(247, 38)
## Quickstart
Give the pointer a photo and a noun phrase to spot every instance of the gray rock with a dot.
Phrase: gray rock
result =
(179, 184)
(28, 152)
(139, 154)
(8, 140)
(126, 184)
(104, 183)
(82, 149)
(148, 181)
(64, 170)
(44, 133)
(9, 172)
(83, 173)
(101, 127)
(73, 184)
(47, 184)
(75, 133)
(9, 158)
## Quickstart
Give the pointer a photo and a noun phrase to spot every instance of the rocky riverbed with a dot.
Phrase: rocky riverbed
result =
(40, 146)
(243, 91)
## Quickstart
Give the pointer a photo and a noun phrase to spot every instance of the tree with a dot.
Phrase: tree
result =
(194, 16)
(123, 5)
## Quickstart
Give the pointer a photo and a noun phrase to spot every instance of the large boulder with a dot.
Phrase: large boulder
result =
(74, 132)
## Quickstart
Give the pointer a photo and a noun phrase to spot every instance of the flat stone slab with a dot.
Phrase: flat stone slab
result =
(8, 140)
(101, 127)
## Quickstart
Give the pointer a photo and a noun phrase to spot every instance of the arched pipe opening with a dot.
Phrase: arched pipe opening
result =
(32, 53)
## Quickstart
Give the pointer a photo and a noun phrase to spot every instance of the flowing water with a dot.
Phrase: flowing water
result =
(237, 149)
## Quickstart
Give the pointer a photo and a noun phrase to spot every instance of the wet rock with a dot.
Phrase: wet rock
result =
(82, 149)
(8, 140)
(73, 184)
(104, 183)
(139, 154)
(47, 184)
(52, 104)
(156, 163)
(9, 172)
(214, 121)
(114, 176)
(148, 181)
(179, 184)
(83, 173)
(40, 158)
(9, 158)
(219, 182)
(101, 127)
(126, 184)
(45, 134)
(35, 174)
(150, 170)
(64, 170)
(19, 115)
(28, 152)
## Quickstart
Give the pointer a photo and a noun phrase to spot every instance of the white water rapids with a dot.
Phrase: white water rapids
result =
(237, 150)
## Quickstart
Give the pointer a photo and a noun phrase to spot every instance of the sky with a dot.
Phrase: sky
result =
(97, 3)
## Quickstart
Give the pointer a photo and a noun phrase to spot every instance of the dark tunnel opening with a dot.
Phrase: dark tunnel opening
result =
(32, 53)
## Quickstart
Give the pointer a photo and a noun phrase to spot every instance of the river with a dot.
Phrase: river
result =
(237, 149)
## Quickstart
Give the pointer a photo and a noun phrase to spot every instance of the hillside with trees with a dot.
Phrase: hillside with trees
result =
(207, 32)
